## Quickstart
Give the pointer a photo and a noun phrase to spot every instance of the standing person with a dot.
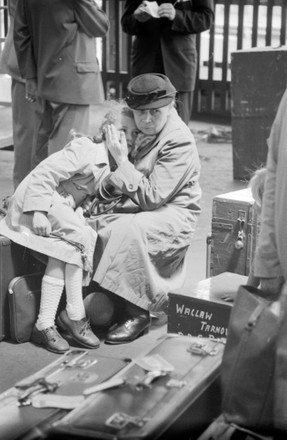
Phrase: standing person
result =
(56, 50)
(23, 111)
(141, 246)
(270, 262)
(45, 215)
(166, 43)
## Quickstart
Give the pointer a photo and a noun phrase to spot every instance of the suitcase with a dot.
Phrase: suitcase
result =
(147, 405)
(259, 79)
(234, 232)
(27, 409)
(24, 302)
(206, 311)
(14, 261)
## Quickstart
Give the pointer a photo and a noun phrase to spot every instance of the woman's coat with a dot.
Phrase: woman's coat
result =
(141, 247)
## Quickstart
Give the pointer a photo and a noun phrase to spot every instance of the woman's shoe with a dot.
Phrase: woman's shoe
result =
(80, 330)
(50, 338)
(129, 329)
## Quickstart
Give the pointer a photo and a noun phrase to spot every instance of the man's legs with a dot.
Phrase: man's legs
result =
(184, 102)
(54, 121)
(23, 113)
(66, 117)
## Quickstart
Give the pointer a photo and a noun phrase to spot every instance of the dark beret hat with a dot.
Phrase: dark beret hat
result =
(149, 91)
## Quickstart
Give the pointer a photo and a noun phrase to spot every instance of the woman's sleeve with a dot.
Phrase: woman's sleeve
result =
(92, 20)
(177, 165)
(63, 165)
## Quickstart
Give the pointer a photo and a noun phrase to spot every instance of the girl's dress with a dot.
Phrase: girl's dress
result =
(58, 186)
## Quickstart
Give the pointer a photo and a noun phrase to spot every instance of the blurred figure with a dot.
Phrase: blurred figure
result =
(270, 263)
(165, 41)
(23, 111)
(56, 50)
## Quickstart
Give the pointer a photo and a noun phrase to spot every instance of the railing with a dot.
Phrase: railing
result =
(3, 22)
(239, 24)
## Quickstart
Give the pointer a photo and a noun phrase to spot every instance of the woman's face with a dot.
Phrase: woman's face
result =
(128, 126)
(151, 121)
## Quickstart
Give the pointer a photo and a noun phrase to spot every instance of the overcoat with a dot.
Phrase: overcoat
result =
(271, 250)
(141, 247)
(55, 43)
(76, 171)
(166, 46)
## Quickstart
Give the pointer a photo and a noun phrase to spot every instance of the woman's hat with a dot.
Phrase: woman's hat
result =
(150, 90)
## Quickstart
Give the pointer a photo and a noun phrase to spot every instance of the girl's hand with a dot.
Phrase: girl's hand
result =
(117, 144)
(41, 224)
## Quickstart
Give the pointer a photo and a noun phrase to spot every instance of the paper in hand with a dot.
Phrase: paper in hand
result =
(150, 8)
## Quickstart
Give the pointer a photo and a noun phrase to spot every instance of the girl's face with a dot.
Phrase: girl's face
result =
(128, 126)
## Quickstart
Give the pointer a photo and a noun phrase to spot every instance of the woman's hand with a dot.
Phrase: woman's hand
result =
(41, 224)
(117, 144)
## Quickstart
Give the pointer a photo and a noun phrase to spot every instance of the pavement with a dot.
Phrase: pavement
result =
(215, 150)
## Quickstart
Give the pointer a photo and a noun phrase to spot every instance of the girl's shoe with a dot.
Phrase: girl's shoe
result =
(80, 330)
(50, 338)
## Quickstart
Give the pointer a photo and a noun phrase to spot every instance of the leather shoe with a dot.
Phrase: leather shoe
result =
(129, 329)
(50, 338)
(80, 330)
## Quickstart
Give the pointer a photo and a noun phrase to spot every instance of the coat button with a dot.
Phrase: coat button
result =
(131, 186)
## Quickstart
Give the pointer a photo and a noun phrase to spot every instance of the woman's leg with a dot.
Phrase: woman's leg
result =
(73, 319)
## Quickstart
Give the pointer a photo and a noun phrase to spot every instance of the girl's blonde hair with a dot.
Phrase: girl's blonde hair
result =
(108, 113)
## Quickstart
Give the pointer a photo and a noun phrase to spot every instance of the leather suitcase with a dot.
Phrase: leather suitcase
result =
(24, 302)
(259, 79)
(27, 409)
(13, 262)
(180, 403)
(234, 231)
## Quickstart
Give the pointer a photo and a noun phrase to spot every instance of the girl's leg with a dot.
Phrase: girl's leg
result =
(44, 331)
(51, 292)
(73, 319)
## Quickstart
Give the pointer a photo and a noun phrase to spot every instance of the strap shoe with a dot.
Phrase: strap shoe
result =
(129, 329)
(80, 330)
(50, 338)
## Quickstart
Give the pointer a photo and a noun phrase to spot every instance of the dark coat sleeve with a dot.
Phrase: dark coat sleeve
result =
(23, 42)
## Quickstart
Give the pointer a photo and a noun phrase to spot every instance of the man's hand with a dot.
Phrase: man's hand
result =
(31, 89)
(167, 10)
(272, 286)
(117, 144)
(141, 15)
(41, 224)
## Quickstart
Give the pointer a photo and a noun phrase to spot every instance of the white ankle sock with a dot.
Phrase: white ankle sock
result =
(74, 283)
(51, 292)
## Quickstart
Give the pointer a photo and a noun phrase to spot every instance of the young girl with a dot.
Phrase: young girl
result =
(45, 215)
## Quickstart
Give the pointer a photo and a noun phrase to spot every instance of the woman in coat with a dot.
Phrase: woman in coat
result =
(45, 215)
(141, 247)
